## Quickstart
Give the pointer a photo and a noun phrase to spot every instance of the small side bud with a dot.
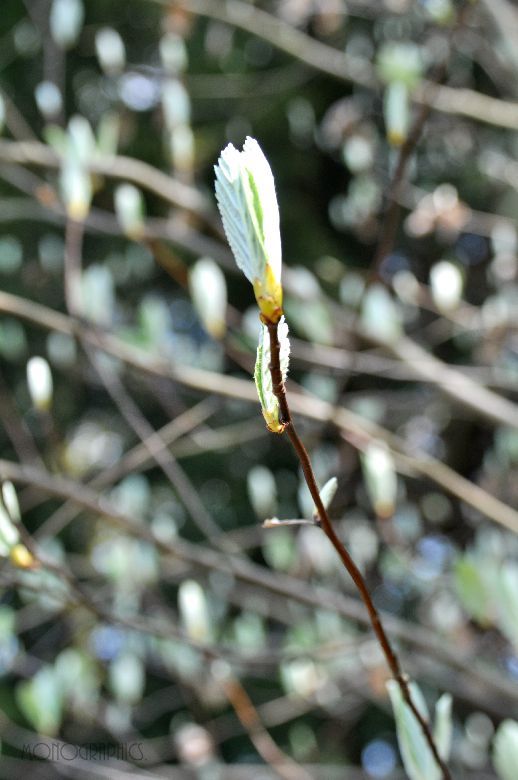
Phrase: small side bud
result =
(380, 478)
(129, 208)
(110, 50)
(39, 381)
(209, 295)
(66, 21)
(446, 284)
(76, 190)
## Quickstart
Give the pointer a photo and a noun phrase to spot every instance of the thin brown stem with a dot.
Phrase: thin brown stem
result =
(327, 527)
(251, 721)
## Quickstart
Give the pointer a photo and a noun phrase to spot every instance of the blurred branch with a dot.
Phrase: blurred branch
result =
(467, 392)
(161, 455)
(14, 119)
(134, 460)
(98, 221)
(119, 167)
(375, 364)
(455, 384)
(245, 86)
(504, 16)
(251, 721)
(16, 429)
(222, 438)
(390, 219)
(54, 57)
(449, 100)
(258, 576)
(460, 101)
(355, 428)
(284, 37)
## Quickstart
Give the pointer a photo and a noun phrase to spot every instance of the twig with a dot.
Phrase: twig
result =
(327, 527)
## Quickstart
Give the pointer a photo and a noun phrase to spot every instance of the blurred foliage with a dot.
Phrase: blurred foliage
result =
(109, 640)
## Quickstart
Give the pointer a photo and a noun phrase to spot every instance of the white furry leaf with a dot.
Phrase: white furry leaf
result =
(245, 192)
(263, 377)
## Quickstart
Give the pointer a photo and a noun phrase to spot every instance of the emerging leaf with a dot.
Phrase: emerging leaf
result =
(417, 757)
(446, 283)
(209, 295)
(110, 51)
(262, 491)
(127, 678)
(379, 473)
(327, 493)
(129, 208)
(66, 21)
(10, 501)
(9, 534)
(245, 192)
(194, 611)
(396, 113)
(471, 576)
(263, 377)
(41, 700)
(76, 189)
(505, 750)
(39, 382)
(443, 727)
(507, 601)
(380, 316)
